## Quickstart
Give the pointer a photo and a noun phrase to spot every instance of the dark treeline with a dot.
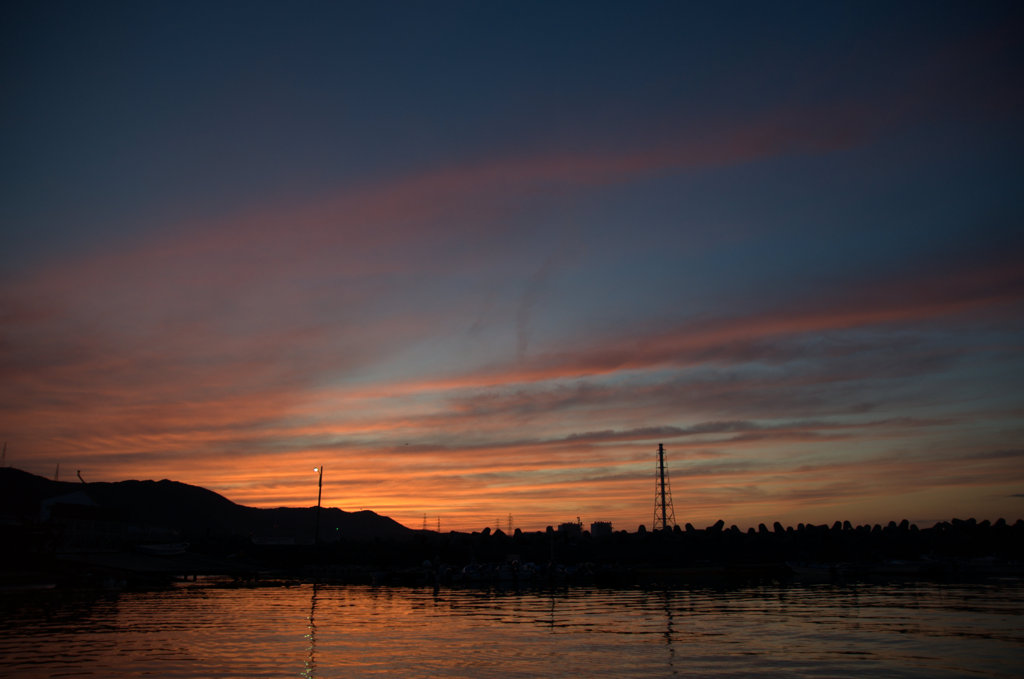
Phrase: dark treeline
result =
(841, 542)
(957, 549)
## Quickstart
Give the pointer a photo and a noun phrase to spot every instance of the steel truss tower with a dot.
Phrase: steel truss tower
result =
(664, 512)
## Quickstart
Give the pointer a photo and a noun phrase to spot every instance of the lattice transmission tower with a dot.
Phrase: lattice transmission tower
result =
(664, 512)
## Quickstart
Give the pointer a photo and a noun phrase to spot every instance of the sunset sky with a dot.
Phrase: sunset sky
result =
(481, 258)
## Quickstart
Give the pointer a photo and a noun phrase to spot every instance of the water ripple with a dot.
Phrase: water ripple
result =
(324, 631)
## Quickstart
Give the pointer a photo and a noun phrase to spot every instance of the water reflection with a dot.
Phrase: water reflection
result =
(325, 631)
(666, 598)
(310, 670)
(551, 615)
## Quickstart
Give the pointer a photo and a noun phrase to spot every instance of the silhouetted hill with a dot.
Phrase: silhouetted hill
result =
(22, 492)
(194, 512)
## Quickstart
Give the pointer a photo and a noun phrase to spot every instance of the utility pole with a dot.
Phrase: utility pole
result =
(319, 490)
(663, 496)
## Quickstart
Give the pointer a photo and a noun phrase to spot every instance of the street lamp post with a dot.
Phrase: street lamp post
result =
(319, 490)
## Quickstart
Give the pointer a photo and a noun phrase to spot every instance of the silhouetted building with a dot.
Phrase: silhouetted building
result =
(600, 528)
(571, 527)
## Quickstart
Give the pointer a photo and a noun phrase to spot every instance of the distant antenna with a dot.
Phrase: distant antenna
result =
(424, 522)
(438, 524)
(56, 474)
(664, 512)
(509, 524)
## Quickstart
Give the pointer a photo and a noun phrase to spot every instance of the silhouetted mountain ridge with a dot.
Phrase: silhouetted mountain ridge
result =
(193, 511)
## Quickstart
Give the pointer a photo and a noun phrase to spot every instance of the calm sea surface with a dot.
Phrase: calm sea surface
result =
(907, 630)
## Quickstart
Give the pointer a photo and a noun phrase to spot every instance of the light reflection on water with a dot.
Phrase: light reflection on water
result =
(911, 630)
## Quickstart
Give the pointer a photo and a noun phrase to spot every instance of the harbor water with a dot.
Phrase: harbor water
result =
(315, 630)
